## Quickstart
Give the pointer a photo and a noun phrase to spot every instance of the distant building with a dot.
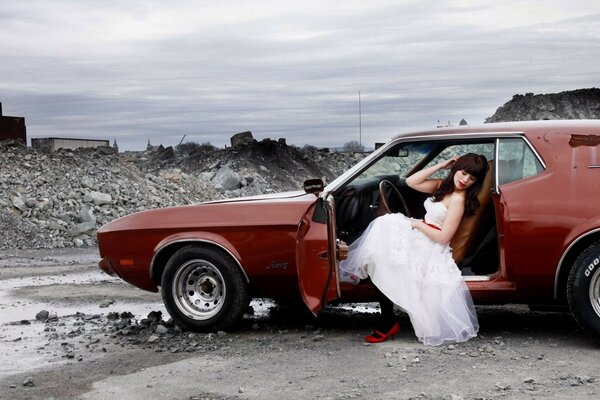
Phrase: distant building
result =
(12, 128)
(53, 144)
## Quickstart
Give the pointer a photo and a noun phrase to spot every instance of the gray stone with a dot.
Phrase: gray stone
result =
(81, 228)
(160, 330)
(97, 198)
(87, 182)
(226, 179)
(153, 338)
(241, 138)
(86, 215)
(42, 315)
(19, 204)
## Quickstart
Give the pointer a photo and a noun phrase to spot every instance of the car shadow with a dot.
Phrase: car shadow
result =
(507, 321)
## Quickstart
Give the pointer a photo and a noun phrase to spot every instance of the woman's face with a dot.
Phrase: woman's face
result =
(463, 180)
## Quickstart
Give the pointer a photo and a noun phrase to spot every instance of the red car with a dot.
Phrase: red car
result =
(535, 239)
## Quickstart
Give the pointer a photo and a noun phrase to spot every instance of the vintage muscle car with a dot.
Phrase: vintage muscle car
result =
(534, 240)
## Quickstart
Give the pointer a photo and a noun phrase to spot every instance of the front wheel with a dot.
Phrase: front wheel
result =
(583, 289)
(204, 289)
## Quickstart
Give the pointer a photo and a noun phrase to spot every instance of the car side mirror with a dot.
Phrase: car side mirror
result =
(315, 186)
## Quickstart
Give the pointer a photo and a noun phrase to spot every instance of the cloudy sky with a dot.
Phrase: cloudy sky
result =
(157, 70)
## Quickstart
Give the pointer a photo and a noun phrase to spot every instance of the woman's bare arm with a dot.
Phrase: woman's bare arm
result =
(419, 181)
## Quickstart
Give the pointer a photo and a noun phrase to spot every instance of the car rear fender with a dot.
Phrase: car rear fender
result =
(169, 245)
(576, 242)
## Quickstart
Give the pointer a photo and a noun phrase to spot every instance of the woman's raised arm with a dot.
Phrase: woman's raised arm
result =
(419, 181)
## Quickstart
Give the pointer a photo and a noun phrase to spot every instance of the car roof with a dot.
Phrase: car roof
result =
(515, 126)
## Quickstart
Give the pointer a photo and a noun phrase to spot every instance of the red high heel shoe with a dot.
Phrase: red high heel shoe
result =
(378, 337)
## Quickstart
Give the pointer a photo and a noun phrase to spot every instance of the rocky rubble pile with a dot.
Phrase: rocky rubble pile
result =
(60, 199)
(574, 104)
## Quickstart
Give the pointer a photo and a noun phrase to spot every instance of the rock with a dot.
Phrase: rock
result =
(226, 179)
(501, 387)
(105, 303)
(160, 330)
(19, 204)
(28, 382)
(87, 182)
(153, 338)
(154, 316)
(86, 215)
(42, 315)
(112, 316)
(241, 138)
(82, 228)
(97, 198)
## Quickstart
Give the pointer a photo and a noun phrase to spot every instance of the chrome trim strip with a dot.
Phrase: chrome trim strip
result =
(562, 258)
(594, 166)
(496, 157)
(535, 152)
(198, 240)
(476, 278)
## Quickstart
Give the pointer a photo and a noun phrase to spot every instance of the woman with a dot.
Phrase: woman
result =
(410, 261)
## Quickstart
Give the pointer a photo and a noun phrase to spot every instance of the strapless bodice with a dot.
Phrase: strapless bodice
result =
(435, 212)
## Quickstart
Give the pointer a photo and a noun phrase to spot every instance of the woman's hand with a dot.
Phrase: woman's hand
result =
(449, 163)
(414, 222)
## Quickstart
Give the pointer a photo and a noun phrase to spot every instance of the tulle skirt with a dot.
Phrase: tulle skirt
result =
(418, 275)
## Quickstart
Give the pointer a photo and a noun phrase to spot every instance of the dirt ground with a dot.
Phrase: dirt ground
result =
(67, 331)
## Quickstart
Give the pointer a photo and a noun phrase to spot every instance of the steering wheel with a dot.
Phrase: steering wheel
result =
(384, 193)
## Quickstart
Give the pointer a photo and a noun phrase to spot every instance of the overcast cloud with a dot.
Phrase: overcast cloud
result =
(139, 70)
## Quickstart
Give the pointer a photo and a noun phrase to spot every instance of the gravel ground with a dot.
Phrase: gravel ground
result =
(68, 331)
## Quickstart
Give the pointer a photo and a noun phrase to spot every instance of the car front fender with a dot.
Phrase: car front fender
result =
(164, 249)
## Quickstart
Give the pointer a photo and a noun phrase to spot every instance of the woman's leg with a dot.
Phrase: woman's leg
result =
(387, 318)
(388, 326)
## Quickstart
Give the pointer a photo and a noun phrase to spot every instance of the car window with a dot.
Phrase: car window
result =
(516, 161)
(485, 149)
(398, 160)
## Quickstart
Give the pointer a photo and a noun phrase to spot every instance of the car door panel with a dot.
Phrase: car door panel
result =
(316, 256)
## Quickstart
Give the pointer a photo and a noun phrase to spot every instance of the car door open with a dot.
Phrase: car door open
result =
(316, 257)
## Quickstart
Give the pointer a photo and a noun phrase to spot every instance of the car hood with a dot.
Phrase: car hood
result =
(264, 210)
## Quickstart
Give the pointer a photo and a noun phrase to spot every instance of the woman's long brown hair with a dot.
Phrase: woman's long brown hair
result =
(475, 165)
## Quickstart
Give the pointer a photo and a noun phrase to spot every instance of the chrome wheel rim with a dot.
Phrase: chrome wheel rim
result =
(199, 289)
(594, 292)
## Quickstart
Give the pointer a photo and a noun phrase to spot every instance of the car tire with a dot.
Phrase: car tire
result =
(583, 289)
(204, 289)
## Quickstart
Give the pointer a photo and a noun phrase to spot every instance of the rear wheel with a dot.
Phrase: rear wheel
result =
(583, 289)
(204, 289)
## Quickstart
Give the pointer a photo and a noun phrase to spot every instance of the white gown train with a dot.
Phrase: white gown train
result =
(417, 274)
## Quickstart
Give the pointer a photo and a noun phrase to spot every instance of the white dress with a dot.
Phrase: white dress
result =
(417, 274)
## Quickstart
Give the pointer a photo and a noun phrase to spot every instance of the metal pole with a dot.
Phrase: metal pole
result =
(359, 121)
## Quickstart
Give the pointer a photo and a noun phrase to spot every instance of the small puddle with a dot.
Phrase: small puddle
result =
(13, 309)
